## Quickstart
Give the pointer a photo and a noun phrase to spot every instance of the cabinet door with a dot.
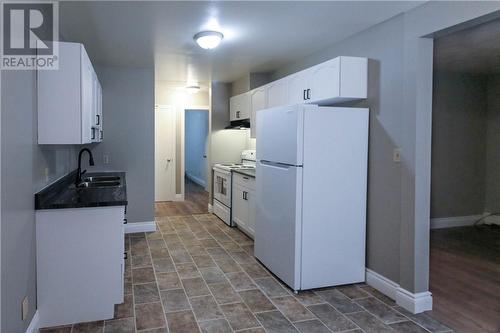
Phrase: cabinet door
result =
(251, 212)
(298, 86)
(87, 99)
(239, 107)
(325, 81)
(240, 206)
(258, 101)
(233, 105)
(278, 93)
(99, 111)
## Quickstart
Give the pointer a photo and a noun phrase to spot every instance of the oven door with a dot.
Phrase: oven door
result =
(222, 187)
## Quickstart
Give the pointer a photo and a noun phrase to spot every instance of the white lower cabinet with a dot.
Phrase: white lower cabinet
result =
(243, 206)
(80, 264)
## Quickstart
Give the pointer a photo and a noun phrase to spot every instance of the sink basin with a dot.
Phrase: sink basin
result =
(93, 179)
(96, 184)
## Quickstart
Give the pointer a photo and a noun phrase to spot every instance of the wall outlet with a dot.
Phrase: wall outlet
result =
(105, 158)
(25, 308)
(396, 155)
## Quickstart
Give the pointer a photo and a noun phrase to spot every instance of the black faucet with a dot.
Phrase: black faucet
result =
(79, 172)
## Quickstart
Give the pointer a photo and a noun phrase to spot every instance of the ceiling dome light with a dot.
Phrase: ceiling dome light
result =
(208, 39)
(192, 89)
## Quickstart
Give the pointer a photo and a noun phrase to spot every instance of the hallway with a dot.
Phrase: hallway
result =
(195, 202)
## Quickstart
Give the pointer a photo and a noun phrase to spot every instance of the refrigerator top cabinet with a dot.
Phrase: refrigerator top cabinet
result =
(311, 182)
(68, 99)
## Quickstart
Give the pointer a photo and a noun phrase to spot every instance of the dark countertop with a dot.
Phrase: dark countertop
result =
(64, 194)
(246, 172)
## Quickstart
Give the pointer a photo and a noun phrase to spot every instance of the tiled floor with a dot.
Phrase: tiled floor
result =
(197, 274)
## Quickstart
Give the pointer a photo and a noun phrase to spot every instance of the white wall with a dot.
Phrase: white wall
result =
(196, 145)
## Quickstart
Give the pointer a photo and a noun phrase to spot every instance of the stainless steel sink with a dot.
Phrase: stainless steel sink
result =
(92, 179)
(97, 184)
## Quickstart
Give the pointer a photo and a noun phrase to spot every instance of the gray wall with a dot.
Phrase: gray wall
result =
(26, 168)
(459, 144)
(383, 45)
(128, 120)
(492, 201)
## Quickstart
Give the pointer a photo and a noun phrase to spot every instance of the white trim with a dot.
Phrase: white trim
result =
(210, 208)
(413, 302)
(34, 325)
(149, 226)
(491, 219)
(179, 197)
(455, 221)
(381, 283)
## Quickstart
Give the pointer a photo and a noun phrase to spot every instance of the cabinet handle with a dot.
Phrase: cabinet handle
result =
(304, 95)
(125, 255)
(98, 119)
(125, 221)
(93, 134)
(102, 135)
(308, 94)
(237, 114)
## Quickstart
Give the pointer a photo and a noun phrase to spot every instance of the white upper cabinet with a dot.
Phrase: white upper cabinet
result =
(239, 107)
(258, 101)
(69, 99)
(298, 87)
(277, 93)
(338, 80)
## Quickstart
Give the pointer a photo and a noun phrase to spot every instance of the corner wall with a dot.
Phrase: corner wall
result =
(128, 120)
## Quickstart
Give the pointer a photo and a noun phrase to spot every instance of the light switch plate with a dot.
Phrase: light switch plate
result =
(396, 155)
(25, 308)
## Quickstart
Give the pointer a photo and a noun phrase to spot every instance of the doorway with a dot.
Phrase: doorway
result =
(465, 183)
(165, 143)
(196, 145)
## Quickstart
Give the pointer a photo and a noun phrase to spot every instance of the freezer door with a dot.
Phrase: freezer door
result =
(278, 220)
(281, 134)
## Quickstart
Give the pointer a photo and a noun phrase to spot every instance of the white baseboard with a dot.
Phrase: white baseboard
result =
(131, 228)
(179, 197)
(455, 221)
(381, 283)
(492, 219)
(210, 208)
(34, 325)
(413, 302)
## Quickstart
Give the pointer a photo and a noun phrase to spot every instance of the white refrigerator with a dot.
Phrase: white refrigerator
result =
(311, 184)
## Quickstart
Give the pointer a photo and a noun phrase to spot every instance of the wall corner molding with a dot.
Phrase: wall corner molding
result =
(454, 221)
(34, 325)
(149, 226)
(413, 302)
(210, 208)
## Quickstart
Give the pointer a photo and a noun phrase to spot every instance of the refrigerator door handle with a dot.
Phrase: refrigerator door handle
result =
(277, 164)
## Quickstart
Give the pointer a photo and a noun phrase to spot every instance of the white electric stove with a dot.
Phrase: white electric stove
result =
(223, 184)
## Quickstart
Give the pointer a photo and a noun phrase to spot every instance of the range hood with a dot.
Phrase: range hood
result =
(239, 124)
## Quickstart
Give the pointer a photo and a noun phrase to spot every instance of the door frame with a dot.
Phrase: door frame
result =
(185, 108)
(174, 110)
